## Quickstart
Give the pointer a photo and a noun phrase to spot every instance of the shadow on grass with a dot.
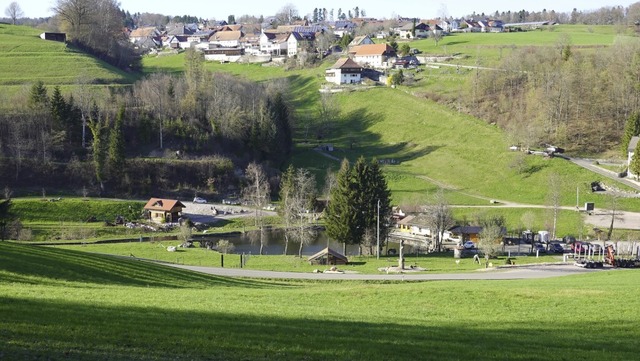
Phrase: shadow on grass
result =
(46, 265)
(532, 169)
(57, 329)
(357, 139)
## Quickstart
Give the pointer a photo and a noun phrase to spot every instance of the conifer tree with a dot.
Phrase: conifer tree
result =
(116, 154)
(634, 167)
(341, 219)
(631, 129)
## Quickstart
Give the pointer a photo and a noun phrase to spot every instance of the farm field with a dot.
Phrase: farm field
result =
(62, 304)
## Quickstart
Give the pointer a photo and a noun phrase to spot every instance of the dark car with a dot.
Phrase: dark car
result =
(556, 248)
(539, 248)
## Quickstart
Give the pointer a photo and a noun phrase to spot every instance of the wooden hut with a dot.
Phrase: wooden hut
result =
(328, 257)
(164, 210)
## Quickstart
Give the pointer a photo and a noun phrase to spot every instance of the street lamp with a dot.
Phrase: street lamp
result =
(378, 235)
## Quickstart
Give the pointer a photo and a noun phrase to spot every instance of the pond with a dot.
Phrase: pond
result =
(274, 243)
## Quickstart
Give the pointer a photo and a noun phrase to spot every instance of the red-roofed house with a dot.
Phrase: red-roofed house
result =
(344, 71)
(164, 210)
(376, 55)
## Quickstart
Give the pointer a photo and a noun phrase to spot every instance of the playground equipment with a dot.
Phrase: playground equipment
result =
(610, 259)
(589, 257)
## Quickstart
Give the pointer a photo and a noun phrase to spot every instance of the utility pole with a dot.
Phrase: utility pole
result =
(378, 235)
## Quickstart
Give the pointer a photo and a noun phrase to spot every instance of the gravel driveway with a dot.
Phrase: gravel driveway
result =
(212, 212)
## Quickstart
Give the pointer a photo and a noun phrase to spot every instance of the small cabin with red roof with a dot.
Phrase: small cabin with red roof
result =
(164, 210)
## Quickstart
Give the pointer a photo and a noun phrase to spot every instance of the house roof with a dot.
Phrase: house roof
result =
(633, 143)
(144, 32)
(406, 220)
(358, 40)
(226, 36)
(325, 252)
(373, 49)
(345, 63)
(159, 204)
(466, 229)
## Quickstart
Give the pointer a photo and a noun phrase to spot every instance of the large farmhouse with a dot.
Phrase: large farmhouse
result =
(344, 71)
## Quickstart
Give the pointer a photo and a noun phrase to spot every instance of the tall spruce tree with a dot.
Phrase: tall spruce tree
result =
(116, 154)
(353, 207)
(341, 220)
(59, 109)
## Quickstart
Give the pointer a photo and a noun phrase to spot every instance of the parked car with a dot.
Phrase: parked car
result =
(556, 248)
(469, 245)
(231, 201)
(199, 200)
(539, 248)
(579, 247)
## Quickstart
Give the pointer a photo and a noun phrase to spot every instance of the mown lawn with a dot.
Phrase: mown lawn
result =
(65, 305)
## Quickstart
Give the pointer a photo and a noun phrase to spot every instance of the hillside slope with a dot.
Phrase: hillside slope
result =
(25, 58)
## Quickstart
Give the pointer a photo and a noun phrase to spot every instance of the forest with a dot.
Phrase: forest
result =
(198, 125)
(576, 97)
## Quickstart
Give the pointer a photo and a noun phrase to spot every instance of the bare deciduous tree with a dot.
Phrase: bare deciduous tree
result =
(490, 243)
(554, 197)
(256, 194)
(438, 217)
(14, 12)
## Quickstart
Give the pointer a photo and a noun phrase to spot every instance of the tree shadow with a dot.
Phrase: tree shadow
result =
(98, 330)
(38, 265)
(357, 140)
(530, 170)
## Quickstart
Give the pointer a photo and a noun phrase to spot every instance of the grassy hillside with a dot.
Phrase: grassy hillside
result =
(486, 49)
(25, 59)
(60, 304)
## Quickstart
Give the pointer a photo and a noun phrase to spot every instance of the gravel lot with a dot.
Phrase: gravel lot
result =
(212, 212)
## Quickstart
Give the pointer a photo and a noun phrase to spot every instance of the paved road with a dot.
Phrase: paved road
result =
(534, 272)
(587, 164)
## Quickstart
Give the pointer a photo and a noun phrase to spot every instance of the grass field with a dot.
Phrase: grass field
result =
(65, 305)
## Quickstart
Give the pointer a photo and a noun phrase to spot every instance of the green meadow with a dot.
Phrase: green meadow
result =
(67, 305)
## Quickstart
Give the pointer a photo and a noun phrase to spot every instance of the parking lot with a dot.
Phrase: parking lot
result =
(212, 212)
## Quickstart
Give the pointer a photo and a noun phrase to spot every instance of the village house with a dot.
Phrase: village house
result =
(227, 39)
(273, 43)
(376, 55)
(164, 210)
(344, 71)
(343, 27)
(407, 31)
(144, 33)
(297, 42)
(414, 225)
(361, 40)
(463, 234)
